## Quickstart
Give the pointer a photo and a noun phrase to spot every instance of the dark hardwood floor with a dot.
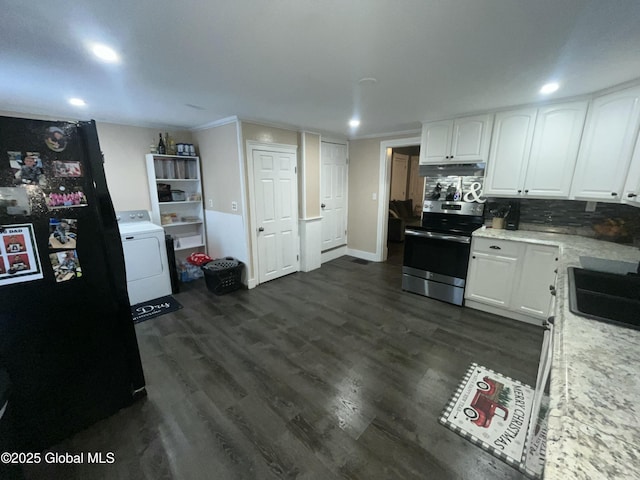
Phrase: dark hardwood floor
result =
(336, 373)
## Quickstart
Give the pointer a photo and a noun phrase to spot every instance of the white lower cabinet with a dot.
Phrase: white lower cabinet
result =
(511, 278)
(492, 278)
(532, 294)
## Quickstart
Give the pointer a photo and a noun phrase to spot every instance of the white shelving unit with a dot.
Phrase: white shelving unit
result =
(177, 208)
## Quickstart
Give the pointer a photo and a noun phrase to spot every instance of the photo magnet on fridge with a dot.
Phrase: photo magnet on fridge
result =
(67, 169)
(27, 168)
(65, 197)
(63, 233)
(14, 201)
(14, 243)
(19, 260)
(66, 265)
(56, 139)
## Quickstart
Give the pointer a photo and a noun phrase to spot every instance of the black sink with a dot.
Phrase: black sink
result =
(608, 297)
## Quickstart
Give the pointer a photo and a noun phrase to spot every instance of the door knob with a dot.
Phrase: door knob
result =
(323, 205)
(631, 195)
(261, 229)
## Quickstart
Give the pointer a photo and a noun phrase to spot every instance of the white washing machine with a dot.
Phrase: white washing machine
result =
(145, 256)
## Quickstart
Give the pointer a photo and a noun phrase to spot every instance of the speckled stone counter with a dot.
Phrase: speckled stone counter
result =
(594, 417)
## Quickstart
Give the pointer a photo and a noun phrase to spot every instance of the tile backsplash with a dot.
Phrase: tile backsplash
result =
(569, 216)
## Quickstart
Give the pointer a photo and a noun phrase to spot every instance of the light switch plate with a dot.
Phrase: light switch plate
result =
(234, 206)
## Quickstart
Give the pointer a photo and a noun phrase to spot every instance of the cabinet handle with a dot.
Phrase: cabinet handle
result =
(519, 191)
(552, 289)
(261, 229)
(614, 194)
(495, 247)
(526, 191)
(631, 195)
(473, 256)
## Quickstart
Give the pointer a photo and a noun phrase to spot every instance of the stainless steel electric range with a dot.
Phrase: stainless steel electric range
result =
(436, 253)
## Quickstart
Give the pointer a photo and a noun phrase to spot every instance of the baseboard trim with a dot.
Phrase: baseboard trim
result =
(333, 254)
(503, 313)
(372, 257)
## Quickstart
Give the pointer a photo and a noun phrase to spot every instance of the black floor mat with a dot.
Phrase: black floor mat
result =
(154, 308)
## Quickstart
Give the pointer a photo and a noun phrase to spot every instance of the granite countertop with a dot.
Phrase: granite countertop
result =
(594, 416)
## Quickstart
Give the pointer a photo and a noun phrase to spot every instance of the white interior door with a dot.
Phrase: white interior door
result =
(334, 195)
(399, 168)
(276, 194)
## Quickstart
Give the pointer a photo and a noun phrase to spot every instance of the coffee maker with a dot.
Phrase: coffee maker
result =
(512, 220)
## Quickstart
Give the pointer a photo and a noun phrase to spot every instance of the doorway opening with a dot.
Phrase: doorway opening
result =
(406, 193)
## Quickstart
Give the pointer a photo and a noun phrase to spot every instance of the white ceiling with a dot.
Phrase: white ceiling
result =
(298, 62)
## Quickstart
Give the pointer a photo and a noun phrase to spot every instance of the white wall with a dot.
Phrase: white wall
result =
(124, 148)
(222, 180)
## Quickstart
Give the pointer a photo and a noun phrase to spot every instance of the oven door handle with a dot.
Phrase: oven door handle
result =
(438, 236)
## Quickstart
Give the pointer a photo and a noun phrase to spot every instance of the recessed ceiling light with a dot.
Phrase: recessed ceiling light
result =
(104, 53)
(549, 88)
(77, 102)
(353, 123)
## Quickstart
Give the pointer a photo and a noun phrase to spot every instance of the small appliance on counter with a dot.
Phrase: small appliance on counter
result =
(512, 220)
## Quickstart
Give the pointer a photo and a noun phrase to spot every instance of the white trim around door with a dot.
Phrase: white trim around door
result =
(383, 188)
(251, 147)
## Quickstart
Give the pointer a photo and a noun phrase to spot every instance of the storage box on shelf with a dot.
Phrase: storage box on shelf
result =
(176, 201)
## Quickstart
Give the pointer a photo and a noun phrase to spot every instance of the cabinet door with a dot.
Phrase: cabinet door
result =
(470, 141)
(510, 148)
(632, 184)
(608, 140)
(537, 273)
(554, 150)
(436, 142)
(490, 279)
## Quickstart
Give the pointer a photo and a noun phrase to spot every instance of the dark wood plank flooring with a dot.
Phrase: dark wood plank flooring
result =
(330, 374)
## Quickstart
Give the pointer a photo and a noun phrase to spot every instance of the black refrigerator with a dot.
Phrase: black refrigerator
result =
(67, 341)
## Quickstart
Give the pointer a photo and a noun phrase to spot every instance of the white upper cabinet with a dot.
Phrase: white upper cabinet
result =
(463, 140)
(534, 152)
(436, 142)
(632, 185)
(510, 148)
(605, 153)
(556, 140)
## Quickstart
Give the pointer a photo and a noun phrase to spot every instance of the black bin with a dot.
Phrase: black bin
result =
(223, 275)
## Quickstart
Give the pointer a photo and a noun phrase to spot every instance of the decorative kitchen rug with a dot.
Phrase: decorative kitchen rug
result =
(492, 411)
(154, 308)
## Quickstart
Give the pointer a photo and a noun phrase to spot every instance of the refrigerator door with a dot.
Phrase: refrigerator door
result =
(67, 339)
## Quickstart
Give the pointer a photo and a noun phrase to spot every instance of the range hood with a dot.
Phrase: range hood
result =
(459, 169)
